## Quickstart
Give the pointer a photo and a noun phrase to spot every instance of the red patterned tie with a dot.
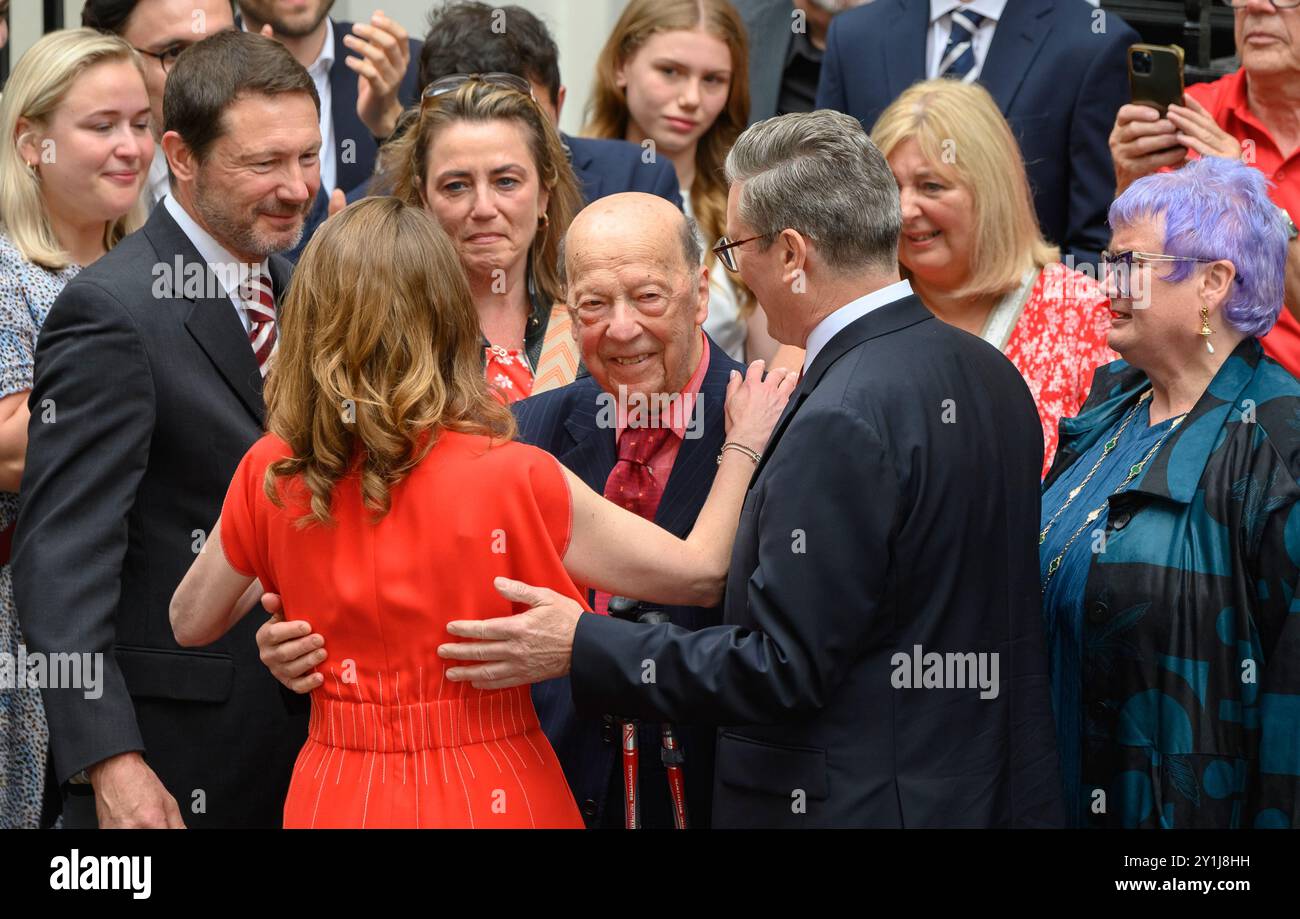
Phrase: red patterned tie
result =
(259, 305)
(631, 483)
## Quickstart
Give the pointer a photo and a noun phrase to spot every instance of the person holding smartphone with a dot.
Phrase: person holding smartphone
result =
(1252, 114)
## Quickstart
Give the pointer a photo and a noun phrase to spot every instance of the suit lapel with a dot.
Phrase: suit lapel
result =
(1019, 36)
(884, 320)
(770, 43)
(211, 321)
(689, 482)
(593, 454)
(903, 65)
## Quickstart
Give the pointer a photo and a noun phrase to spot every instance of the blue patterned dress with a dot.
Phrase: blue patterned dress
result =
(26, 293)
(1189, 640)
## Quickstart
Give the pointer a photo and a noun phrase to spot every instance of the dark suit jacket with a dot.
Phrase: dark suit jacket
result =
(564, 423)
(608, 167)
(768, 24)
(896, 506)
(356, 166)
(355, 148)
(1058, 82)
(157, 398)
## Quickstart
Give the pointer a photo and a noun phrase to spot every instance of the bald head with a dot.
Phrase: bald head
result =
(637, 291)
(649, 219)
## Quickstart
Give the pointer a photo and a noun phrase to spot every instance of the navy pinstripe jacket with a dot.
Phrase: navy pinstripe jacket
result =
(564, 423)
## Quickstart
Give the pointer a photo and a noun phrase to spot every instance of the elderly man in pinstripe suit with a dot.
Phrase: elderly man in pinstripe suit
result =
(638, 292)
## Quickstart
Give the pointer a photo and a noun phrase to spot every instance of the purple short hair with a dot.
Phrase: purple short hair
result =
(1217, 208)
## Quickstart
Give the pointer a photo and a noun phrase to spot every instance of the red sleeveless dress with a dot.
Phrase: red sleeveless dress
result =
(391, 741)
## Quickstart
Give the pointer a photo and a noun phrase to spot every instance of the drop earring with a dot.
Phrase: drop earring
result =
(1206, 331)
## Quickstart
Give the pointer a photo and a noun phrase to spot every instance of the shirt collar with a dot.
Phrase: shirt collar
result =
(680, 419)
(989, 9)
(325, 60)
(230, 271)
(827, 329)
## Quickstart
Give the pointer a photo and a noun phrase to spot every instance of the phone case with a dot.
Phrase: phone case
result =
(1163, 86)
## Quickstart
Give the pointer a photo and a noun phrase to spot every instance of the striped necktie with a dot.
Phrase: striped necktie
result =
(958, 59)
(259, 306)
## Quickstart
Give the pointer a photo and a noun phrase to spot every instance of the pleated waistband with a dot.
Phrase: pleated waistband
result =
(478, 717)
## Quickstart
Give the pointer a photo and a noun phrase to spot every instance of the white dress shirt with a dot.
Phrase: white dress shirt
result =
(320, 75)
(941, 25)
(217, 257)
(837, 321)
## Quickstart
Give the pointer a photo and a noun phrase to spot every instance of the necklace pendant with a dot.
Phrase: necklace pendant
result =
(1074, 492)
(1132, 473)
(1093, 516)
(1110, 445)
(1042, 537)
(1053, 565)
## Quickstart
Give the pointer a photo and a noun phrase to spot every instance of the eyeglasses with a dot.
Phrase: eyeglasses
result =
(1117, 267)
(167, 56)
(1277, 4)
(449, 84)
(723, 251)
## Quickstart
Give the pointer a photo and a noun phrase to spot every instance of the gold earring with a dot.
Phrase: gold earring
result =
(1206, 331)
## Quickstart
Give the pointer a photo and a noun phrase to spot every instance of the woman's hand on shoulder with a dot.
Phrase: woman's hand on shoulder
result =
(755, 402)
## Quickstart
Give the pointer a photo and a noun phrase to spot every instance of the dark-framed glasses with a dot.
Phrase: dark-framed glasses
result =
(452, 82)
(724, 251)
(167, 56)
(1117, 267)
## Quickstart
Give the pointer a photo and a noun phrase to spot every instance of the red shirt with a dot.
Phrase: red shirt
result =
(1056, 344)
(1225, 100)
(661, 462)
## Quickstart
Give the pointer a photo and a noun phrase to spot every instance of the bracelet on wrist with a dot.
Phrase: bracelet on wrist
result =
(739, 448)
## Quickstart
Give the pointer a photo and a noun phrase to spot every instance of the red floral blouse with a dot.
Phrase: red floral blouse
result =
(1057, 343)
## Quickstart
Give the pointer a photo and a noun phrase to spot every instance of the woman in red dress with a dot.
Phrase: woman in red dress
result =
(386, 498)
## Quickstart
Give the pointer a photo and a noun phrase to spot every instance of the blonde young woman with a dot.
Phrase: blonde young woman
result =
(384, 522)
(674, 74)
(974, 254)
(483, 158)
(75, 153)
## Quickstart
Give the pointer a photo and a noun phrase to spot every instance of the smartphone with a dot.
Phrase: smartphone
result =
(1155, 75)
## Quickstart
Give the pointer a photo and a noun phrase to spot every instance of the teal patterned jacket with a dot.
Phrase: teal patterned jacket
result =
(1191, 631)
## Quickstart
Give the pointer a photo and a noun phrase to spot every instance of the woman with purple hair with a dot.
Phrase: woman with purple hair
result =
(1170, 540)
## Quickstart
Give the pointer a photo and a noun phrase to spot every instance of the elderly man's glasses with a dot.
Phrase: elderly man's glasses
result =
(449, 84)
(1277, 4)
(1117, 267)
(724, 250)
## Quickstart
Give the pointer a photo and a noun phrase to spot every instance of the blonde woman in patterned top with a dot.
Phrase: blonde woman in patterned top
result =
(75, 114)
(973, 251)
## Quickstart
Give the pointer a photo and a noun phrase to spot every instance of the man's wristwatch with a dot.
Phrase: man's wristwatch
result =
(81, 778)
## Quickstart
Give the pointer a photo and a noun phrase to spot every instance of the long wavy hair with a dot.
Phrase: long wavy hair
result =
(376, 356)
(405, 162)
(607, 111)
(36, 88)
